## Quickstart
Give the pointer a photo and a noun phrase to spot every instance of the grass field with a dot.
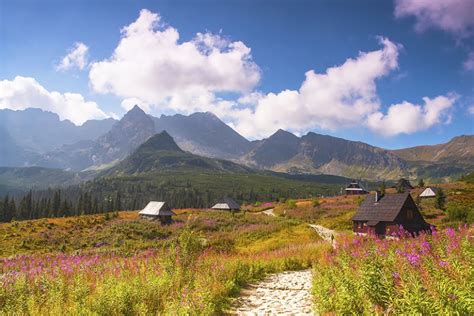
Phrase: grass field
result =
(120, 264)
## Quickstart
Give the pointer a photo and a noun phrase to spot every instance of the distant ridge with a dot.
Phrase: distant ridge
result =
(25, 142)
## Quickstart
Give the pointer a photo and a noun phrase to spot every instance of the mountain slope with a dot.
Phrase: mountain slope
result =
(21, 179)
(204, 134)
(40, 131)
(12, 154)
(459, 149)
(314, 153)
(160, 153)
(124, 137)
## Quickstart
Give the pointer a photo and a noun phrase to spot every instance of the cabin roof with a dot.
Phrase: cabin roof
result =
(226, 204)
(427, 191)
(355, 186)
(385, 210)
(155, 208)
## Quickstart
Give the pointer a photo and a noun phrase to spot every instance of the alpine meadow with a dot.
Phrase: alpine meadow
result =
(237, 157)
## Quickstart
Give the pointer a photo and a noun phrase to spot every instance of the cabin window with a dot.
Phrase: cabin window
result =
(409, 214)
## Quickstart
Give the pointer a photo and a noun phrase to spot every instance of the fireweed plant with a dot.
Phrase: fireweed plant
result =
(429, 274)
(185, 276)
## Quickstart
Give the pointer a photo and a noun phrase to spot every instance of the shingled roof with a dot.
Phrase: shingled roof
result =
(155, 208)
(226, 204)
(354, 185)
(385, 210)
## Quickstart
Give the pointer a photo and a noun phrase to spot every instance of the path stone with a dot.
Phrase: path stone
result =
(325, 233)
(286, 293)
(269, 212)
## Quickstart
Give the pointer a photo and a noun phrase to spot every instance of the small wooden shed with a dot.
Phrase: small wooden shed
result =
(226, 204)
(354, 188)
(157, 211)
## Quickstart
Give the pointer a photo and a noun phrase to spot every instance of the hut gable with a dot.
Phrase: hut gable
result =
(429, 192)
(155, 208)
(227, 204)
(157, 211)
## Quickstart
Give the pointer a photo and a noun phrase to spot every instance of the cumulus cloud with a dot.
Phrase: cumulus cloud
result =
(76, 58)
(469, 62)
(453, 16)
(341, 97)
(151, 64)
(409, 118)
(24, 92)
(151, 67)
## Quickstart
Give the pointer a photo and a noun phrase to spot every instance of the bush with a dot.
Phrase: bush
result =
(291, 204)
(316, 203)
(461, 213)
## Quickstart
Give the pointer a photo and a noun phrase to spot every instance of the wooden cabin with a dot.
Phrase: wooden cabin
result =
(354, 188)
(385, 215)
(226, 204)
(429, 192)
(157, 211)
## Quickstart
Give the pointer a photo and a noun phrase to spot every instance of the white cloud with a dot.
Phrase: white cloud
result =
(453, 16)
(152, 68)
(76, 57)
(151, 64)
(469, 62)
(24, 92)
(409, 118)
(471, 109)
(341, 97)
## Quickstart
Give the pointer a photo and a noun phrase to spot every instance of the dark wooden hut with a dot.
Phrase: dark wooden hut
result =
(385, 215)
(354, 188)
(226, 204)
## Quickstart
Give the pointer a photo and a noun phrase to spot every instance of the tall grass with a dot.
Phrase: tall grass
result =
(185, 277)
(431, 274)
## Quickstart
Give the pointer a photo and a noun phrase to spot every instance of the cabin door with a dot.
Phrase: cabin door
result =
(380, 229)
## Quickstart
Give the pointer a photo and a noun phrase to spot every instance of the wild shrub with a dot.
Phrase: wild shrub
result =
(461, 213)
(291, 204)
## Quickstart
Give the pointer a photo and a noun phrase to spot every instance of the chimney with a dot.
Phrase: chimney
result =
(378, 196)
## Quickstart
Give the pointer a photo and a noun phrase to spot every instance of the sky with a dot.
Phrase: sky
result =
(389, 73)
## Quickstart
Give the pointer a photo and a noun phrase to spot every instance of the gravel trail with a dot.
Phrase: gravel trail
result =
(286, 293)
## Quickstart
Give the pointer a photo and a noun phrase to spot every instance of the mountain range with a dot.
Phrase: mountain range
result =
(108, 144)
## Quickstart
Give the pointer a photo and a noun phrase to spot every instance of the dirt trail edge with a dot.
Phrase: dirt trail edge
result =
(325, 233)
(286, 293)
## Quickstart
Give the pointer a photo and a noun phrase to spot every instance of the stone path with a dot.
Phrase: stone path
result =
(286, 293)
(325, 233)
(269, 212)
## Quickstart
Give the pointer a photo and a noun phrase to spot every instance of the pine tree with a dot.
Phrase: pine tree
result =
(440, 199)
(421, 183)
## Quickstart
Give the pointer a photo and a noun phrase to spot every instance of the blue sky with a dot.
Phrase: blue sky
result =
(286, 40)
